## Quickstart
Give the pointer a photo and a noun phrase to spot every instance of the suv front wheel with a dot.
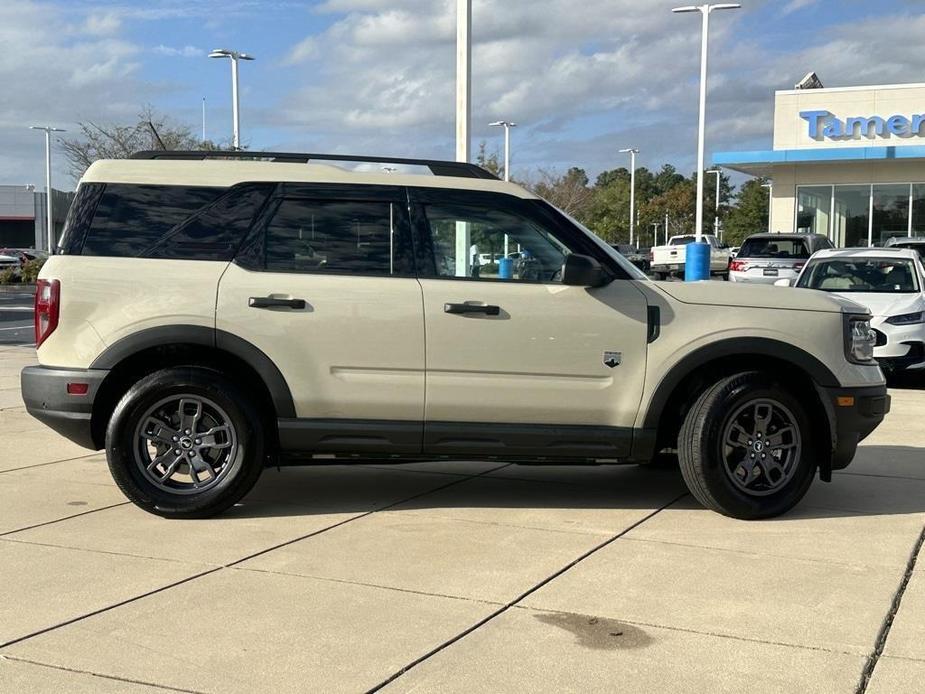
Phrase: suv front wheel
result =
(185, 443)
(746, 448)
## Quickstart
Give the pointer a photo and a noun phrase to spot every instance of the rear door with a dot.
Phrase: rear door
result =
(325, 287)
(517, 362)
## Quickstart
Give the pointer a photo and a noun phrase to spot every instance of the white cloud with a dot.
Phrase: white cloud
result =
(184, 52)
(102, 24)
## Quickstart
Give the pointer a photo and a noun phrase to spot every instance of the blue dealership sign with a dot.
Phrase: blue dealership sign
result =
(824, 124)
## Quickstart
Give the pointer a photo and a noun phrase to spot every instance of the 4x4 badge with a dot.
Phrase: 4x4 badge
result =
(613, 359)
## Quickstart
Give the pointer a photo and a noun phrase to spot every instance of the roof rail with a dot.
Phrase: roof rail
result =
(437, 167)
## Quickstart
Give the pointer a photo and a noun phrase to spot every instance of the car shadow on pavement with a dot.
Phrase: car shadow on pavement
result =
(883, 480)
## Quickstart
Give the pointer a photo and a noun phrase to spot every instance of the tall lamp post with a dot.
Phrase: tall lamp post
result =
(507, 125)
(49, 220)
(632, 151)
(701, 270)
(716, 201)
(234, 56)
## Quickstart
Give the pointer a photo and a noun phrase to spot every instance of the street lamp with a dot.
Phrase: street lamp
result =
(716, 202)
(632, 152)
(705, 11)
(235, 56)
(50, 225)
(507, 125)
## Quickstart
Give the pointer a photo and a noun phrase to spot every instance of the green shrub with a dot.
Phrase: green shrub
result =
(8, 276)
(31, 269)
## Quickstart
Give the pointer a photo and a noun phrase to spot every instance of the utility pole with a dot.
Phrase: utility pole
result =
(235, 56)
(632, 152)
(49, 218)
(463, 119)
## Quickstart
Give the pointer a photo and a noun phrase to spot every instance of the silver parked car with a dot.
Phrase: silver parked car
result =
(766, 258)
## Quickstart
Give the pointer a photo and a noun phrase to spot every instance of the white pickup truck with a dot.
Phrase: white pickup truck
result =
(669, 259)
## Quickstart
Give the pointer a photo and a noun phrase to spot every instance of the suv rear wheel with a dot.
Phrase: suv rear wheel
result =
(746, 448)
(185, 443)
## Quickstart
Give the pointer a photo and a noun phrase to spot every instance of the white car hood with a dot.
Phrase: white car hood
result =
(886, 304)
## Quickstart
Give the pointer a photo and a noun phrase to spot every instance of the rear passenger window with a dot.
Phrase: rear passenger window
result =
(334, 236)
(130, 219)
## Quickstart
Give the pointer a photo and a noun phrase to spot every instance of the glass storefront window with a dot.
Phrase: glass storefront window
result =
(891, 212)
(851, 218)
(918, 209)
(813, 209)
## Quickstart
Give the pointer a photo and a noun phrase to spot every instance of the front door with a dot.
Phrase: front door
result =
(325, 287)
(517, 362)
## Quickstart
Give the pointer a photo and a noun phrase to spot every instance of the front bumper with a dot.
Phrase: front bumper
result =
(853, 414)
(45, 392)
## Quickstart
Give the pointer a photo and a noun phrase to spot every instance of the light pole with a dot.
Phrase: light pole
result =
(49, 221)
(235, 56)
(507, 125)
(632, 151)
(716, 202)
(464, 250)
(694, 271)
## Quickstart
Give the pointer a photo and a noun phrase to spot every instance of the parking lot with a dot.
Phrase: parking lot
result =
(441, 577)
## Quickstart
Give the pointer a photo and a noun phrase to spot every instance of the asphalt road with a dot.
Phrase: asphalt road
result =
(16, 317)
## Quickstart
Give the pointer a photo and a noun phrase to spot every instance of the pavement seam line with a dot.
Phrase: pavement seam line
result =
(513, 603)
(219, 568)
(746, 553)
(116, 678)
(107, 608)
(366, 585)
(51, 462)
(884, 633)
(145, 557)
(716, 634)
(361, 515)
(59, 520)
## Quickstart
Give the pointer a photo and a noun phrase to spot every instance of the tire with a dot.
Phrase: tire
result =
(722, 476)
(226, 457)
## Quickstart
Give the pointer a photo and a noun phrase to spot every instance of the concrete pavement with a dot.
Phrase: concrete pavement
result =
(458, 577)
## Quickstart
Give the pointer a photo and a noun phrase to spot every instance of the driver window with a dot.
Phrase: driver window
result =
(484, 243)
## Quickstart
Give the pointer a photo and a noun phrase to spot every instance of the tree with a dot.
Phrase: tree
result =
(750, 213)
(569, 192)
(490, 161)
(113, 141)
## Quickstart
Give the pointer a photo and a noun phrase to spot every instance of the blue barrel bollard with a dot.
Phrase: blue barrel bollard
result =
(506, 268)
(697, 262)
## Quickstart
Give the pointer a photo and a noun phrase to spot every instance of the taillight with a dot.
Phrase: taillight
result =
(47, 301)
(737, 265)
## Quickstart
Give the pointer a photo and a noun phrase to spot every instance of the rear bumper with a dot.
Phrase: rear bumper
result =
(852, 423)
(44, 391)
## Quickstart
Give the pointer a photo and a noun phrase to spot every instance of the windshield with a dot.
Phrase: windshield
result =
(871, 275)
(774, 248)
(634, 272)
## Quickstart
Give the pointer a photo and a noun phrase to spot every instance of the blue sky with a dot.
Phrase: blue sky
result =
(376, 76)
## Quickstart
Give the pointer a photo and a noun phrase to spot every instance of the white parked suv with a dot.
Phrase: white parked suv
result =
(209, 314)
(890, 283)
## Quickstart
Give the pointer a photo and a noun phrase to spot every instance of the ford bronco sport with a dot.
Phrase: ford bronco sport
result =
(209, 314)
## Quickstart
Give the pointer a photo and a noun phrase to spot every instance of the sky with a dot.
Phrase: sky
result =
(582, 79)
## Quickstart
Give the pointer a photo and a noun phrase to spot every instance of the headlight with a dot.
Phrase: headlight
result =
(859, 339)
(907, 319)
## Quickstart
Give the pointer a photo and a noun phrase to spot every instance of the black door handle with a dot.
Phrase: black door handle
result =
(271, 302)
(472, 307)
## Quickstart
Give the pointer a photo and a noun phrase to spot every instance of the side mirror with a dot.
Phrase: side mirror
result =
(582, 271)
(784, 283)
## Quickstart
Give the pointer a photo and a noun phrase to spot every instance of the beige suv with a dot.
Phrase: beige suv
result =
(207, 315)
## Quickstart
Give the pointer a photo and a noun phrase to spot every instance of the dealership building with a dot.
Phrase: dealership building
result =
(23, 216)
(846, 162)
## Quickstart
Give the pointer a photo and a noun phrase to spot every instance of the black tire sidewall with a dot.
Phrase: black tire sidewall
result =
(710, 420)
(120, 442)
